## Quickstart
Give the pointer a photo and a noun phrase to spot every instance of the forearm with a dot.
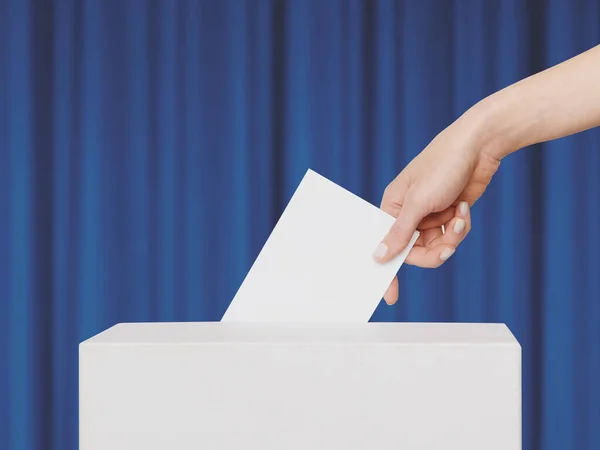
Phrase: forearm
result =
(557, 102)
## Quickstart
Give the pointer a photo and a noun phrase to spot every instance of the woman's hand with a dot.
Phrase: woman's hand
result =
(439, 185)
(436, 190)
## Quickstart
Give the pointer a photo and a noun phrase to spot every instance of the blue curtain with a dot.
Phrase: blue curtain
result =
(147, 148)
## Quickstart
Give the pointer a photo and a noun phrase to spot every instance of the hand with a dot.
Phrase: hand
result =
(436, 189)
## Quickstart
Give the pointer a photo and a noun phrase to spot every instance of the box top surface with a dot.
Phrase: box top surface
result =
(202, 333)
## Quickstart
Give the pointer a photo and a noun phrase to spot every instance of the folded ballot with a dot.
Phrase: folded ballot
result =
(317, 265)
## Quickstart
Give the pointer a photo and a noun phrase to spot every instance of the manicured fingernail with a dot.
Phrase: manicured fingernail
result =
(459, 226)
(380, 251)
(463, 209)
(447, 253)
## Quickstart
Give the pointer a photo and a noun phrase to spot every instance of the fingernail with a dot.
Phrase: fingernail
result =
(447, 253)
(459, 226)
(463, 209)
(380, 251)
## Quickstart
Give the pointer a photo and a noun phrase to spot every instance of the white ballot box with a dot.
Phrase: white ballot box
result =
(230, 386)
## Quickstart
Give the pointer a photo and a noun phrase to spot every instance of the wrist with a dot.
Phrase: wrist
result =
(491, 123)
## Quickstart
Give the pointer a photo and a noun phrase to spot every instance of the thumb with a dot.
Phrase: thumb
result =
(401, 232)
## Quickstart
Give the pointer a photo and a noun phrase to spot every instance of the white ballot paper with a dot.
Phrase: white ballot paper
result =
(317, 265)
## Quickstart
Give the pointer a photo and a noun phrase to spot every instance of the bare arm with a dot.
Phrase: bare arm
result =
(557, 102)
(440, 184)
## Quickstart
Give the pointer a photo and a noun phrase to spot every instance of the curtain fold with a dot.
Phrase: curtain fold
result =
(147, 149)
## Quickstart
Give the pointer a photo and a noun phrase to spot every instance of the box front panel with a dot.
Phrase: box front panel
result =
(258, 396)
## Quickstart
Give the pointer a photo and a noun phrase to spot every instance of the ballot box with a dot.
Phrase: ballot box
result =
(366, 386)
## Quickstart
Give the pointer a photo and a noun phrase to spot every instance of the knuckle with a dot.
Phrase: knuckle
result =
(388, 190)
(389, 195)
(418, 201)
(397, 232)
(392, 187)
(387, 200)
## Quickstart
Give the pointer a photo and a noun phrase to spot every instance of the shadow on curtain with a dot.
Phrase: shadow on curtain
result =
(148, 147)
